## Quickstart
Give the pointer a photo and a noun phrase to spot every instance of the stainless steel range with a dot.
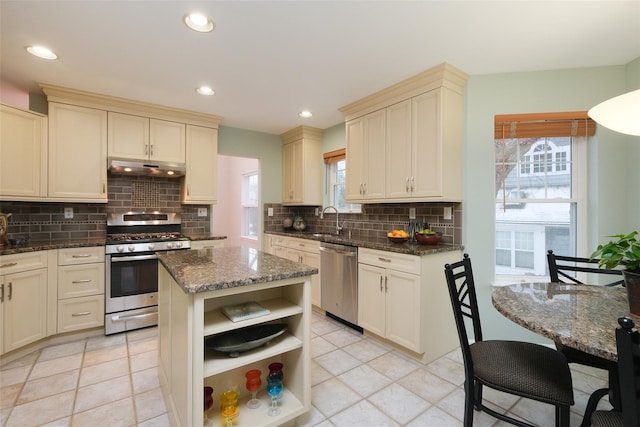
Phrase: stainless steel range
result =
(133, 238)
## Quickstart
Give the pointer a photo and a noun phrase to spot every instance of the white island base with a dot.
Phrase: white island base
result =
(185, 367)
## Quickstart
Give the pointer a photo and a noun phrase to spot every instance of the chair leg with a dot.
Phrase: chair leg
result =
(477, 395)
(562, 416)
(469, 403)
(592, 404)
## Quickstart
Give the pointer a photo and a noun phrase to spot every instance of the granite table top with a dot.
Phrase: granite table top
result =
(221, 268)
(580, 316)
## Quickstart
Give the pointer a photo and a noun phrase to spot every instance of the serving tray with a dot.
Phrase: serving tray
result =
(244, 339)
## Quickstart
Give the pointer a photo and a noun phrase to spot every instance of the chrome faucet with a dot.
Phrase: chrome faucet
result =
(338, 228)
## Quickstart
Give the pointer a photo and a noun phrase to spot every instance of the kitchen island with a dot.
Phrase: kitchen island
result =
(193, 288)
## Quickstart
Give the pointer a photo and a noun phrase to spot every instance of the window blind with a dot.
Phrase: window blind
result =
(540, 125)
(335, 156)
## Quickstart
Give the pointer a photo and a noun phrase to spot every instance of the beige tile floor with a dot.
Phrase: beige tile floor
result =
(113, 381)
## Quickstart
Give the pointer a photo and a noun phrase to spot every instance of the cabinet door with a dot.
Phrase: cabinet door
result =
(355, 160)
(23, 153)
(292, 174)
(201, 182)
(371, 298)
(25, 308)
(403, 309)
(399, 159)
(166, 141)
(128, 136)
(427, 144)
(374, 151)
(77, 153)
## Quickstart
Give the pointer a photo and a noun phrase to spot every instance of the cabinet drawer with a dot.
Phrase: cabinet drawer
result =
(207, 244)
(86, 255)
(279, 241)
(80, 280)
(80, 313)
(392, 260)
(304, 245)
(16, 263)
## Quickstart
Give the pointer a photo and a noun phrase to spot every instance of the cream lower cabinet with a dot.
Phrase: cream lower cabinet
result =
(77, 153)
(23, 299)
(304, 251)
(200, 184)
(23, 154)
(207, 244)
(404, 299)
(81, 277)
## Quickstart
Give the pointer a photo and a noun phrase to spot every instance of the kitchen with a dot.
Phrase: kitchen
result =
(486, 95)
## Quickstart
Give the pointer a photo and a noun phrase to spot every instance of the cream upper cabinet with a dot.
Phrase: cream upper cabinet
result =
(422, 139)
(200, 185)
(141, 138)
(23, 154)
(365, 148)
(77, 153)
(302, 165)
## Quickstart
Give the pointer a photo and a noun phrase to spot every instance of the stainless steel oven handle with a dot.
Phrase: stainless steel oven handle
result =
(131, 317)
(132, 258)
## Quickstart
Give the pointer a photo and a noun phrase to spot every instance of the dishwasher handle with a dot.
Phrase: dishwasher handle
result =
(339, 252)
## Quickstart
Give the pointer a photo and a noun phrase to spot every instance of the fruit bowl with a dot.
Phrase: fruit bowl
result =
(428, 239)
(398, 239)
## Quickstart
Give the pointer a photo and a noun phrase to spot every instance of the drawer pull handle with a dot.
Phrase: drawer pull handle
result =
(81, 281)
(81, 256)
(124, 318)
(8, 264)
(384, 259)
(82, 313)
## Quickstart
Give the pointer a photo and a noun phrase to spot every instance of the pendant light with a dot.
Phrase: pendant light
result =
(621, 114)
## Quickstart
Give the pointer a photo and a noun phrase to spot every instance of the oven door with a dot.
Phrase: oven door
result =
(131, 282)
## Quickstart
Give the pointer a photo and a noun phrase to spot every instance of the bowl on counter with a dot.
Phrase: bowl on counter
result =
(428, 239)
(398, 239)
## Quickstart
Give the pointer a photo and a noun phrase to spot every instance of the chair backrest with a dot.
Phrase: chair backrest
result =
(462, 290)
(562, 269)
(628, 342)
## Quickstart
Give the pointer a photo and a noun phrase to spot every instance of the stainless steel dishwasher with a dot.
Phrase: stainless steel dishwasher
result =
(339, 280)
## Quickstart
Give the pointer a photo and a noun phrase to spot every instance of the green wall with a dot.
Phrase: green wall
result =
(609, 170)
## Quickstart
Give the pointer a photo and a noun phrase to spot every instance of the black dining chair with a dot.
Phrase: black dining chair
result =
(520, 368)
(563, 269)
(628, 343)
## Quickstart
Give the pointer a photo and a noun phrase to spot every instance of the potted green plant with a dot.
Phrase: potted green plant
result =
(624, 252)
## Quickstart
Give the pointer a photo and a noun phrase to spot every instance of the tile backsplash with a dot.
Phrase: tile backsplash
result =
(46, 221)
(375, 219)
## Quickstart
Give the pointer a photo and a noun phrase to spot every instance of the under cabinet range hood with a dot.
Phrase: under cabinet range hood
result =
(158, 169)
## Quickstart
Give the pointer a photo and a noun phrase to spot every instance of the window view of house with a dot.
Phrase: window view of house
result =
(336, 173)
(536, 202)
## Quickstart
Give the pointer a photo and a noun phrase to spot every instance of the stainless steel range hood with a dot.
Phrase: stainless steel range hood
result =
(158, 169)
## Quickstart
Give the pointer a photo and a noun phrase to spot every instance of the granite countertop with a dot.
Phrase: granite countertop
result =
(221, 268)
(195, 237)
(579, 316)
(45, 245)
(373, 243)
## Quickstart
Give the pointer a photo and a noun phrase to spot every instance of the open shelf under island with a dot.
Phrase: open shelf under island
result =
(194, 286)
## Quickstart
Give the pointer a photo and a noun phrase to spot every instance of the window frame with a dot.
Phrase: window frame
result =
(247, 204)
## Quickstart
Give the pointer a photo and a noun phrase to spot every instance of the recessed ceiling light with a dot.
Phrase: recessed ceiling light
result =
(170, 173)
(199, 22)
(306, 114)
(41, 52)
(205, 90)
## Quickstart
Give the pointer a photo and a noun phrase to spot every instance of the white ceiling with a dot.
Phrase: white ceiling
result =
(268, 60)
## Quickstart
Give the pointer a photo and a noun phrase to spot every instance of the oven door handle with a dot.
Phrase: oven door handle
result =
(132, 258)
(124, 318)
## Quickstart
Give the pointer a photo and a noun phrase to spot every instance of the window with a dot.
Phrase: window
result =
(540, 173)
(336, 172)
(250, 191)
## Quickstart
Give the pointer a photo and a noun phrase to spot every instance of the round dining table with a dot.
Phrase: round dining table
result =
(584, 317)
